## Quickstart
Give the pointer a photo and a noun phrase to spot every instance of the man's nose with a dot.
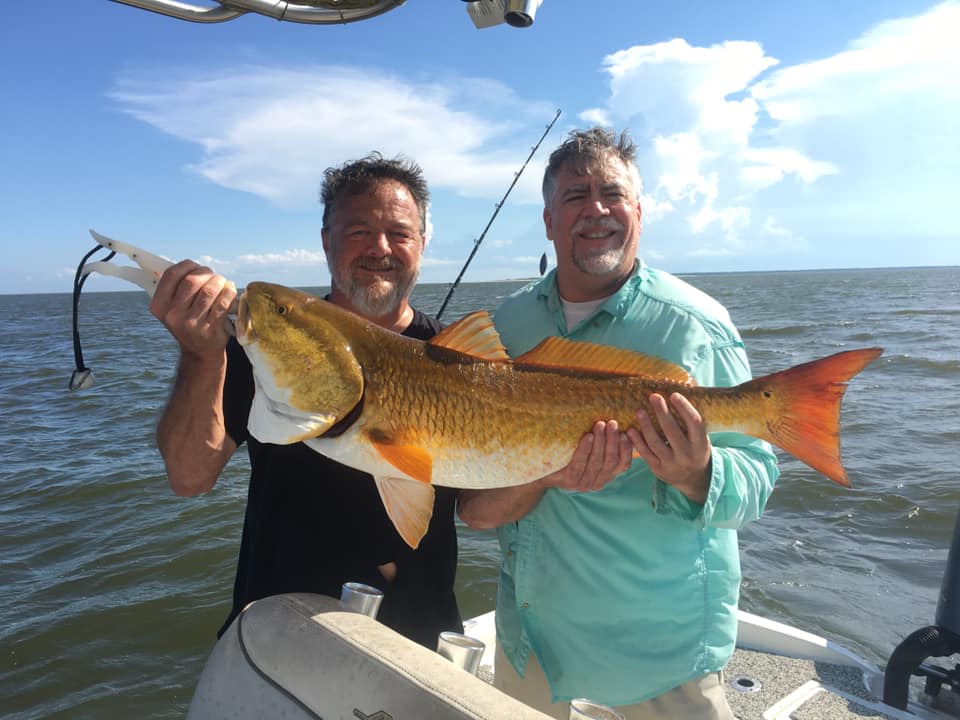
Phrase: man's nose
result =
(596, 206)
(378, 244)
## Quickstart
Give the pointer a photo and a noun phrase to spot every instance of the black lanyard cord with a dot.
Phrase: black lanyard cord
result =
(82, 376)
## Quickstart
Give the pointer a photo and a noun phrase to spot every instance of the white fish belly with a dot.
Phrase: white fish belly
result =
(459, 467)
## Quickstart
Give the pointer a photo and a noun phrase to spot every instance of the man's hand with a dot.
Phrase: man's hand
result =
(194, 303)
(600, 456)
(681, 455)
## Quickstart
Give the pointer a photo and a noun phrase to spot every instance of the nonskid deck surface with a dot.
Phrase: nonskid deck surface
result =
(758, 683)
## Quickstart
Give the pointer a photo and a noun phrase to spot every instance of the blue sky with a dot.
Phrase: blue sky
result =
(772, 135)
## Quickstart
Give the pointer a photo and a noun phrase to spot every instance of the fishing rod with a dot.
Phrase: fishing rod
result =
(476, 243)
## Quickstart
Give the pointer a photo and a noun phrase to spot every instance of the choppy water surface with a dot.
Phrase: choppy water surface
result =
(115, 588)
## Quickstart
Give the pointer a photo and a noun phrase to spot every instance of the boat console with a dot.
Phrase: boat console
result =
(300, 656)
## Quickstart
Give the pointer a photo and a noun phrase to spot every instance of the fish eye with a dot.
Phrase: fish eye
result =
(281, 309)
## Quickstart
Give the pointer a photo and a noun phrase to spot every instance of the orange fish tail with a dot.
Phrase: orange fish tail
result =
(806, 420)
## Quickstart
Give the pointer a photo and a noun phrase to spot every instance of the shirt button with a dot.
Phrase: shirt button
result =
(525, 605)
(509, 553)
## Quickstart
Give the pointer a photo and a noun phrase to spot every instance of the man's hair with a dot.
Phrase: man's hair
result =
(359, 176)
(585, 149)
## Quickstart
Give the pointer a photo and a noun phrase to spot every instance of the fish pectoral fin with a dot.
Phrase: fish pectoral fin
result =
(412, 460)
(473, 335)
(409, 506)
(287, 433)
(271, 422)
(560, 353)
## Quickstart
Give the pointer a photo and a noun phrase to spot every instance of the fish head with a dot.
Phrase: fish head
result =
(306, 375)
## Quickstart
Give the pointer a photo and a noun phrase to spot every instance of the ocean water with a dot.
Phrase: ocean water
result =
(114, 588)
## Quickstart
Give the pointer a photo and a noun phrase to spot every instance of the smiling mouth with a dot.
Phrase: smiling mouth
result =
(599, 234)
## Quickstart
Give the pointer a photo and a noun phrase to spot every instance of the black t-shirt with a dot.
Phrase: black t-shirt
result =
(313, 524)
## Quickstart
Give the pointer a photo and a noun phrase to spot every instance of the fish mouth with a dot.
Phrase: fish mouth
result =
(245, 332)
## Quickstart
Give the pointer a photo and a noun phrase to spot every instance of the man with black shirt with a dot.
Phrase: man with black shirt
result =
(311, 523)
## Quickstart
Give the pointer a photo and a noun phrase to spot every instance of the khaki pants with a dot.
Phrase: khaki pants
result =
(699, 699)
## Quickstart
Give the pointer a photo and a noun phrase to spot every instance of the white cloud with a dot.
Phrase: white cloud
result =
(779, 237)
(271, 131)
(896, 59)
(681, 158)
(732, 143)
(711, 252)
(673, 86)
(433, 262)
(766, 166)
(288, 257)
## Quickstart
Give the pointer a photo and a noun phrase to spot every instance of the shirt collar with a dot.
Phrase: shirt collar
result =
(616, 305)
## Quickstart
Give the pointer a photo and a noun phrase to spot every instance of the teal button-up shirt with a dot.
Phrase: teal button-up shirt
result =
(630, 591)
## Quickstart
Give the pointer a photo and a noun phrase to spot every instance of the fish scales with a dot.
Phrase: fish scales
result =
(467, 410)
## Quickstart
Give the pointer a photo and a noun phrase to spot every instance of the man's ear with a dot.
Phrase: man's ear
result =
(325, 237)
(548, 222)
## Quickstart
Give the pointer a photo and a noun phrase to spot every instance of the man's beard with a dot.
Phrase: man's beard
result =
(599, 261)
(380, 297)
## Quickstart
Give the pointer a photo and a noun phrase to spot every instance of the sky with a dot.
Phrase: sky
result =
(771, 136)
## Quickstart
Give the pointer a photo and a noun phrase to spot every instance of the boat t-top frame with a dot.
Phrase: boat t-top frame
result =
(484, 13)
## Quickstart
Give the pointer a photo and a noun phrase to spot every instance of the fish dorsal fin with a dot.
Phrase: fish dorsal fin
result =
(561, 354)
(409, 506)
(474, 335)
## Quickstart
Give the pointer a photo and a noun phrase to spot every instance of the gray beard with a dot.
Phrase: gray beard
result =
(378, 299)
(600, 263)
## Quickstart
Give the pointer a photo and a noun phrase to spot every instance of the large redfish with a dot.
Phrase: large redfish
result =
(457, 411)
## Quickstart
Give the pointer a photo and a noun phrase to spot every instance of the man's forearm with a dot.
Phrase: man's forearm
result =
(486, 509)
(191, 434)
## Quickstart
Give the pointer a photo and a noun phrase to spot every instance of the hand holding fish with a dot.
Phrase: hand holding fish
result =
(680, 456)
(600, 456)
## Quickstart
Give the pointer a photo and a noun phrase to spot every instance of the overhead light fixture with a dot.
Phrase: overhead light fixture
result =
(487, 13)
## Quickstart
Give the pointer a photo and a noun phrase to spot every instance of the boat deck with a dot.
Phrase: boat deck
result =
(761, 686)
(301, 656)
(787, 675)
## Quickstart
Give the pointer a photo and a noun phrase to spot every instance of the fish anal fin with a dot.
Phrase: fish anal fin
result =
(411, 460)
(562, 354)
(474, 335)
(409, 506)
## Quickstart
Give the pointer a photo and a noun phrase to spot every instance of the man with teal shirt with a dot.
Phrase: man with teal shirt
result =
(622, 587)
